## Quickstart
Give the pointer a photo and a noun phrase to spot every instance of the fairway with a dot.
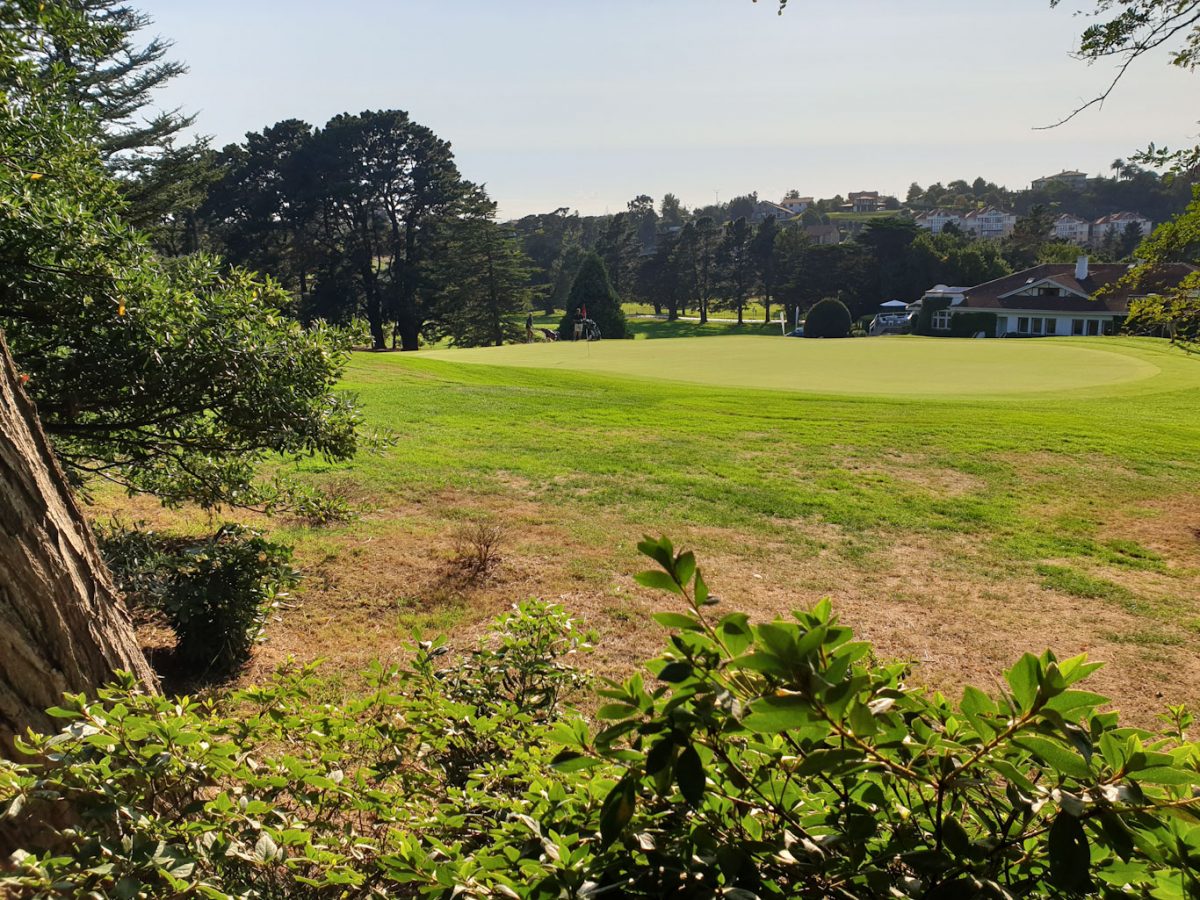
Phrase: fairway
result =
(904, 366)
(975, 499)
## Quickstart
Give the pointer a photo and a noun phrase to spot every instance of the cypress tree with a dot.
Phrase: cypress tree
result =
(593, 290)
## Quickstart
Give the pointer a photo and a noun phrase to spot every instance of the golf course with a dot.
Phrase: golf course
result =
(960, 501)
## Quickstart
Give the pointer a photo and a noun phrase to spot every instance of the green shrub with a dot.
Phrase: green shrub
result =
(214, 591)
(929, 305)
(969, 324)
(757, 760)
(827, 319)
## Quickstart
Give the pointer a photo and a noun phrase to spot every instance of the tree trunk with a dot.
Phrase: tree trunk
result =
(63, 626)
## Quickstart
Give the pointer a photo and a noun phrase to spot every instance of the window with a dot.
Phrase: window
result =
(941, 320)
(1077, 326)
(1047, 292)
(1037, 326)
(1093, 326)
(1052, 326)
(1022, 325)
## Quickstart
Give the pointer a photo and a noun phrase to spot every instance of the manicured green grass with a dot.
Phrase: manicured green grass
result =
(874, 367)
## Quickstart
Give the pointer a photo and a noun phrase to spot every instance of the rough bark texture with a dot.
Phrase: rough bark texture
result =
(63, 626)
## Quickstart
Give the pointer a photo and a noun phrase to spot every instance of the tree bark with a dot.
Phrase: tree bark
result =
(63, 626)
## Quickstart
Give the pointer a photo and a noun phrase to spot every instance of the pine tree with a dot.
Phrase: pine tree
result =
(485, 275)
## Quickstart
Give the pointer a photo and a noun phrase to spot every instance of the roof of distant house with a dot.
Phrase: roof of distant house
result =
(1064, 173)
(998, 294)
(1113, 218)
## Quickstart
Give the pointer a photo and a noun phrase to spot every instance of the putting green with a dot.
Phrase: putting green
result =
(908, 366)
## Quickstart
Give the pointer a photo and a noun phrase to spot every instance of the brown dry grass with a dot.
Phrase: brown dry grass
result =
(941, 602)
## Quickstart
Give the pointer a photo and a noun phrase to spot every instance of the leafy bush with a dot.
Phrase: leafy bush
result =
(759, 760)
(827, 319)
(214, 591)
(969, 324)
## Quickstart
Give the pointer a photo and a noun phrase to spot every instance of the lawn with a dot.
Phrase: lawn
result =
(896, 367)
(960, 501)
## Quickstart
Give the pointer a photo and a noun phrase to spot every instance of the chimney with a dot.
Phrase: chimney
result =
(1081, 268)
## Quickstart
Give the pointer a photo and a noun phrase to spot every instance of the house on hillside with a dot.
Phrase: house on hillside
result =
(765, 209)
(796, 205)
(865, 201)
(990, 223)
(1077, 181)
(823, 234)
(1117, 223)
(1072, 229)
(1047, 300)
(936, 219)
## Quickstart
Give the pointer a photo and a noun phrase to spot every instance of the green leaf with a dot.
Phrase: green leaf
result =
(659, 581)
(1023, 679)
(661, 551)
(1166, 775)
(570, 761)
(659, 756)
(616, 711)
(735, 632)
(685, 566)
(617, 810)
(862, 721)
(677, 620)
(771, 715)
(1069, 855)
(1058, 757)
(675, 671)
(689, 775)
(1073, 701)
(955, 837)
(700, 590)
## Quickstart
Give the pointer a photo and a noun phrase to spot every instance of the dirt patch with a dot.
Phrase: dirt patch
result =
(1169, 527)
(919, 472)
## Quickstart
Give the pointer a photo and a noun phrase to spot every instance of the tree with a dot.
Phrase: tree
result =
(1170, 307)
(735, 263)
(62, 622)
(618, 246)
(593, 290)
(762, 252)
(889, 239)
(484, 280)
(110, 75)
(173, 378)
(257, 210)
(379, 185)
(1030, 234)
(672, 212)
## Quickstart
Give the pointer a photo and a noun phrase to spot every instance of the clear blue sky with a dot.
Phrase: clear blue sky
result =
(587, 103)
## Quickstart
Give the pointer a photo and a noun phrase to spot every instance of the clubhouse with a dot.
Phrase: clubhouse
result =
(1047, 300)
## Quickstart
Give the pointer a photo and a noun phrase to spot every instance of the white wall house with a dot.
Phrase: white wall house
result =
(1056, 300)
(1117, 222)
(1073, 229)
(989, 222)
(796, 205)
(937, 219)
(1074, 180)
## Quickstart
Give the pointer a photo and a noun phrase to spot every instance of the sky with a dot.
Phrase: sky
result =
(589, 103)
